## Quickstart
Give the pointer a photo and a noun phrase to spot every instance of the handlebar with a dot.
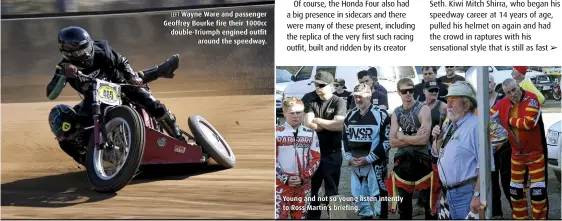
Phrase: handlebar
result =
(80, 74)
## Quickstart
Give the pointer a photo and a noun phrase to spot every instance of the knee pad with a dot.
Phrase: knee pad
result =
(538, 191)
(516, 191)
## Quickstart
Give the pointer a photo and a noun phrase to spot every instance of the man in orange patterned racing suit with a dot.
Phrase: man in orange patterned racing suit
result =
(519, 115)
(298, 158)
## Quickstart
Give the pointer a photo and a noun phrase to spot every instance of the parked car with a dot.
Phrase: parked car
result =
(554, 142)
(501, 73)
(544, 84)
(282, 79)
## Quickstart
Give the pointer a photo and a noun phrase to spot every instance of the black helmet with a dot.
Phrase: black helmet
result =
(76, 46)
(62, 120)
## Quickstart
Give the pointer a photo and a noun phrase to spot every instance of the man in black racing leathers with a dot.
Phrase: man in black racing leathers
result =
(99, 60)
(365, 145)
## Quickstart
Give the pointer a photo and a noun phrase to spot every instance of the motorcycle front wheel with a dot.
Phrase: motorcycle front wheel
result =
(126, 131)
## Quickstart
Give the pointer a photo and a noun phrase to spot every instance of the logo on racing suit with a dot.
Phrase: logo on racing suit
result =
(378, 173)
(533, 103)
(301, 142)
(280, 128)
(361, 133)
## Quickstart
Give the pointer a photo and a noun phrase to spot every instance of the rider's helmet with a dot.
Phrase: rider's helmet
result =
(62, 120)
(76, 45)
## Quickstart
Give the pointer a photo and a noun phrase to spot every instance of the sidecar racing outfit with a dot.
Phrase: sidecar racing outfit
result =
(97, 59)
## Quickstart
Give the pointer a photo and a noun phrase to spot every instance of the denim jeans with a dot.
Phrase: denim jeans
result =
(459, 200)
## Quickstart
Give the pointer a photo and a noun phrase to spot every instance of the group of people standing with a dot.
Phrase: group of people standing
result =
(435, 133)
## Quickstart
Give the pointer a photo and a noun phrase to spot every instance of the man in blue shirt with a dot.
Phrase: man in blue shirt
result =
(457, 151)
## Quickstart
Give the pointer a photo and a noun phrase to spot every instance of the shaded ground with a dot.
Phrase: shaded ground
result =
(40, 181)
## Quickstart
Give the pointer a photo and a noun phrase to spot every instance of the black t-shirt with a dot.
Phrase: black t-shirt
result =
(330, 141)
(309, 97)
(346, 95)
(448, 81)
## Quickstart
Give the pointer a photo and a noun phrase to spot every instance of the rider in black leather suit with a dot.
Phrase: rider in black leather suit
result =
(97, 58)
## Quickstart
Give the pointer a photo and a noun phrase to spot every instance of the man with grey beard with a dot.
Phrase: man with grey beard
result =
(457, 151)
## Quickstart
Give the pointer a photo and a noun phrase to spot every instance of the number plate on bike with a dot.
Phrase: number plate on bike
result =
(109, 93)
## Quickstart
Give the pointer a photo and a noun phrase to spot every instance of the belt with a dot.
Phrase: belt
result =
(461, 184)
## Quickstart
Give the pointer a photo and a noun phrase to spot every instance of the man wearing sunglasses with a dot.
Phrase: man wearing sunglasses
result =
(365, 145)
(451, 77)
(98, 59)
(429, 74)
(378, 97)
(412, 161)
(325, 114)
(341, 92)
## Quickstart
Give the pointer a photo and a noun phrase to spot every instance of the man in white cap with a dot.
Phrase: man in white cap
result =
(457, 151)
(365, 146)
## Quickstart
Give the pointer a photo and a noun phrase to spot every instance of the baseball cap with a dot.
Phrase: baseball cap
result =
(431, 84)
(373, 71)
(521, 69)
(341, 82)
(323, 77)
(362, 89)
(463, 89)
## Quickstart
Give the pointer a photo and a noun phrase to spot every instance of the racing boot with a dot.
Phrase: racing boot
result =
(165, 70)
(168, 122)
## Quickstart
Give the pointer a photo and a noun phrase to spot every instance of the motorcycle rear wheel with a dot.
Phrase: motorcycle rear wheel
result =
(133, 145)
(556, 96)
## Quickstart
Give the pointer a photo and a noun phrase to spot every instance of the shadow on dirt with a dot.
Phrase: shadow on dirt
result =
(73, 188)
(60, 190)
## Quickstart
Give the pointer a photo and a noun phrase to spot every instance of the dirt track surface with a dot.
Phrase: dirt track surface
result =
(40, 181)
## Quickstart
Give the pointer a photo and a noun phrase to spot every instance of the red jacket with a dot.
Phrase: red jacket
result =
(524, 124)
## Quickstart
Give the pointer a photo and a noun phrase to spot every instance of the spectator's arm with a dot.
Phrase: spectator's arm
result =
(394, 141)
(279, 173)
(334, 125)
(308, 122)
(308, 117)
(530, 117)
(314, 154)
(379, 151)
(345, 140)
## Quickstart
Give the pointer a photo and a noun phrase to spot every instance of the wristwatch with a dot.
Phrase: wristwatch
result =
(476, 194)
